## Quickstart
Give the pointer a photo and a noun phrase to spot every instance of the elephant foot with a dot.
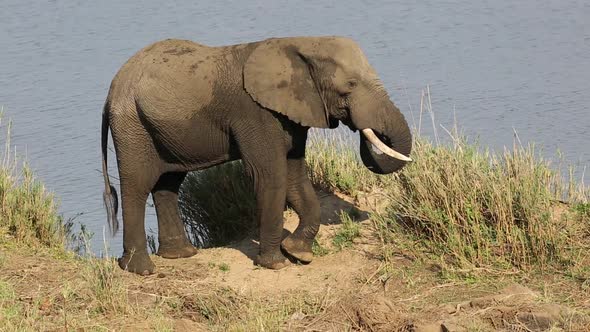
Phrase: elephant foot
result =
(272, 261)
(298, 248)
(139, 263)
(171, 252)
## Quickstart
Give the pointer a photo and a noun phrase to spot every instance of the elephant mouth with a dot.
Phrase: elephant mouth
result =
(381, 148)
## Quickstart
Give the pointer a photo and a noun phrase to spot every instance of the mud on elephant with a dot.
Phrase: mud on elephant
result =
(178, 106)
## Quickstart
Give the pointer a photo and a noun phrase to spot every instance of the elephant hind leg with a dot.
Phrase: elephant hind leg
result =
(173, 242)
(139, 169)
(135, 256)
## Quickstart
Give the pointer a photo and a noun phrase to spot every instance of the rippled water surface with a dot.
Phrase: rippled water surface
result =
(499, 66)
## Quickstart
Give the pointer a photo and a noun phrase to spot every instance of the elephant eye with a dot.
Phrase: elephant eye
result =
(351, 84)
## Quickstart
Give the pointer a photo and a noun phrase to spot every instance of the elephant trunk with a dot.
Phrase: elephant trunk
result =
(385, 138)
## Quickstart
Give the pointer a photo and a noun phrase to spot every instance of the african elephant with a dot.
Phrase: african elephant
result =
(178, 106)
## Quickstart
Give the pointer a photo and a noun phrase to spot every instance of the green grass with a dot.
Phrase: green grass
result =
(224, 267)
(349, 230)
(582, 210)
(318, 249)
(108, 293)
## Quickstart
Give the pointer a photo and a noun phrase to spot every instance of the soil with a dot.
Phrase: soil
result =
(354, 290)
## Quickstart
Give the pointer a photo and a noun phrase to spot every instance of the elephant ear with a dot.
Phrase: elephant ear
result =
(279, 77)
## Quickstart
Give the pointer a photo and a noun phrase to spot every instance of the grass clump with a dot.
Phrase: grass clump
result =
(318, 249)
(28, 212)
(348, 231)
(583, 211)
(108, 292)
(482, 208)
(218, 205)
(15, 315)
(224, 267)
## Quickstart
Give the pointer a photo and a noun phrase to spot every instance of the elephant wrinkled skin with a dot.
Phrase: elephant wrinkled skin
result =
(178, 106)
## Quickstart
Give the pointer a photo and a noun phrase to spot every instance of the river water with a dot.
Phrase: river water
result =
(497, 66)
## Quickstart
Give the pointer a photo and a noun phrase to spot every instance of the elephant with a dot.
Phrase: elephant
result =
(178, 106)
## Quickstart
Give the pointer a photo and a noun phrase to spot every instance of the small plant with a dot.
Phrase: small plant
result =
(15, 314)
(9, 308)
(582, 210)
(224, 267)
(348, 231)
(79, 241)
(319, 250)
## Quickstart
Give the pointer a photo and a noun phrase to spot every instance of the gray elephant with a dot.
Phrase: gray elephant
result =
(178, 106)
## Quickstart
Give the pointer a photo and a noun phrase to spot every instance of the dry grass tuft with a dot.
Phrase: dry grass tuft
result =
(28, 212)
(106, 289)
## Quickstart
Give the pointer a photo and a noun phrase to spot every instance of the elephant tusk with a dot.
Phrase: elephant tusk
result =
(376, 150)
(370, 135)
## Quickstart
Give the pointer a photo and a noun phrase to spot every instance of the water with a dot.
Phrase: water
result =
(499, 66)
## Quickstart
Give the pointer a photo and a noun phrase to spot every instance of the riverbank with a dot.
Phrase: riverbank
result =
(461, 239)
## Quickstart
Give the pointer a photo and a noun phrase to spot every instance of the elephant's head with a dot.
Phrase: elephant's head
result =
(318, 82)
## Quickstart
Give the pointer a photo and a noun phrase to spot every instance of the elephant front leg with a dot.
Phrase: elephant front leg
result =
(270, 186)
(265, 160)
(173, 242)
(303, 199)
(270, 196)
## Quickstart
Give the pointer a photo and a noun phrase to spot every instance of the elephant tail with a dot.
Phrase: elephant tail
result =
(109, 196)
